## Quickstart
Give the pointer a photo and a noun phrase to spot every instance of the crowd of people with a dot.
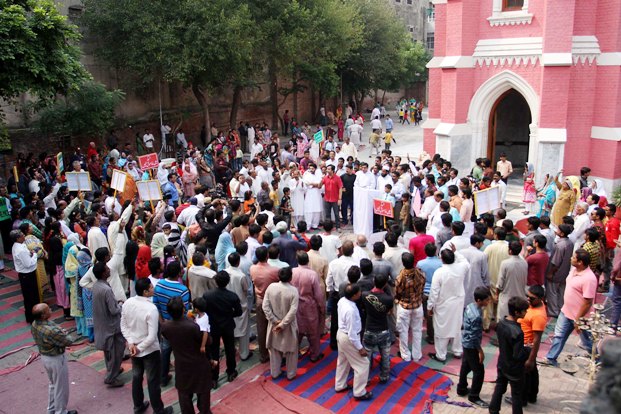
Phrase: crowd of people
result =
(234, 237)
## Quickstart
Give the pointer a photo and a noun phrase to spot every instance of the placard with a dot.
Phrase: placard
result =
(318, 137)
(78, 181)
(148, 161)
(118, 180)
(149, 190)
(486, 200)
(382, 208)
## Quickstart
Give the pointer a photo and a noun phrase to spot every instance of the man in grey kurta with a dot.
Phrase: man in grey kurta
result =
(511, 279)
(107, 325)
(479, 274)
(280, 305)
(558, 269)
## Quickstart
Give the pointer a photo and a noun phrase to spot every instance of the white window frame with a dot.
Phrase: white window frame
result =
(512, 17)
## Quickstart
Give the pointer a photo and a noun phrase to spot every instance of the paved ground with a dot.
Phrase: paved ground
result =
(559, 392)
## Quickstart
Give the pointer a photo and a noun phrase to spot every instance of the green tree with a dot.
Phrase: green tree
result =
(38, 52)
(379, 58)
(303, 40)
(205, 45)
(87, 111)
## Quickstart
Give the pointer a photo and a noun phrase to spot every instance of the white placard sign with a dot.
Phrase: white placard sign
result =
(79, 181)
(486, 201)
(118, 180)
(149, 190)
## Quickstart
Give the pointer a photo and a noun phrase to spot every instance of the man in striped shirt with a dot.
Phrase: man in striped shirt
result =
(165, 290)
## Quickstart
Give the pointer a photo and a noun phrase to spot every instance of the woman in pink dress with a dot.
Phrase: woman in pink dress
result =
(189, 178)
(340, 129)
(530, 191)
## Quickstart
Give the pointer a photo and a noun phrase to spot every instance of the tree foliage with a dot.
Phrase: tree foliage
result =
(38, 52)
(205, 45)
(87, 111)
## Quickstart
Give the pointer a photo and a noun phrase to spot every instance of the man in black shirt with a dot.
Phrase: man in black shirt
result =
(347, 197)
(378, 304)
(223, 306)
(511, 358)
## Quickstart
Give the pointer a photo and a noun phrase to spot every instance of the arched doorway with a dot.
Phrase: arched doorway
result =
(509, 128)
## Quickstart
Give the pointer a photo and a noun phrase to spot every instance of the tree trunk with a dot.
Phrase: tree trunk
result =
(313, 105)
(383, 96)
(202, 101)
(359, 100)
(273, 79)
(375, 97)
(235, 106)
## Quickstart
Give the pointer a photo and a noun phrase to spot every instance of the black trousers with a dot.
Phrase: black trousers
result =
(517, 385)
(346, 204)
(531, 386)
(152, 364)
(203, 402)
(470, 362)
(228, 339)
(428, 318)
(30, 292)
(5, 230)
(334, 319)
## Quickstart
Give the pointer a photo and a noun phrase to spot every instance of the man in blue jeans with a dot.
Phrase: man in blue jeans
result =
(580, 290)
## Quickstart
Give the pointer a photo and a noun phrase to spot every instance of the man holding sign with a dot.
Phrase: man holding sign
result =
(383, 207)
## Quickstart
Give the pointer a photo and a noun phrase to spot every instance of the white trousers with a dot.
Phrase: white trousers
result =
(312, 219)
(410, 319)
(276, 362)
(350, 358)
(244, 344)
(441, 345)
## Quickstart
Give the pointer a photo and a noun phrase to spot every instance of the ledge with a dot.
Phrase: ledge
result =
(511, 18)
(606, 133)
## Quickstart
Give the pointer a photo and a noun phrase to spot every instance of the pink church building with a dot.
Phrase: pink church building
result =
(537, 79)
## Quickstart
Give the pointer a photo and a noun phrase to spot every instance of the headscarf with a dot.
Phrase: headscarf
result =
(223, 249)
(142, 261)
(75, 238)
(138, 234)
(158, 243)
(84, 263)
(530, 168)
(598, 188)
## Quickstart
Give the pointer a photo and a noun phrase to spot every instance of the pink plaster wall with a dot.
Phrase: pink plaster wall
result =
(573, 97)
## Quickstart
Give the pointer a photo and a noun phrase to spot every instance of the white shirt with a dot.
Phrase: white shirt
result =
(365, 180)
(376, 124)
(337, 272)
(154, 280)
(253, 245)
(188, 215)
(148, 140)
(349, 321)
(203, 323)
(581, 223)
(112, 204)
(139, 324)
(23, 261)
(255, 149)
(330, 243)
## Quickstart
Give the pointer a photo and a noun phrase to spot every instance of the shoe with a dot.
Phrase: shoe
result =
(232, 376)
(167, 410)
(430, 340)
(349, 387)
(463, 393)
(383, 380)
(434, 356)
(478, 402)
(250, 354)
(319, 357)
(142, 408)
(546, 361)
(72, 412)
(509, 401)
(69, 318)
(334, 347)
(252, 338)
(457, 356)
(115, 384)
(364, 397)
(165, 382)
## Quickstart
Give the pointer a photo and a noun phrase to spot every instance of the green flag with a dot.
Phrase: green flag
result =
(318, 136)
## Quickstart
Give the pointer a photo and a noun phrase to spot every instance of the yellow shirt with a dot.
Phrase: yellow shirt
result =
(387, 138)
(274, 198)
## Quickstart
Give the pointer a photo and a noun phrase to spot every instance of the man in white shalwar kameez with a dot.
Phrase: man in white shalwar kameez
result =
(117, 239)
(446, 302)
(95, 237)
(297, 188)
(313, 201)
(239, 285)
